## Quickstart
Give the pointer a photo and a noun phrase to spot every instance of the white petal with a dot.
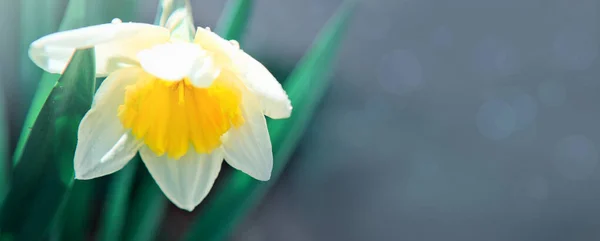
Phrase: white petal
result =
(274, 101)
(213, 42)
(114, 42)
(203, 72)
(248, 147)
(104, 145)
(186, 181)
(175, 61)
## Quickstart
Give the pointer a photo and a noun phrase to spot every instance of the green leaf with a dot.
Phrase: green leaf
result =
(115, 209)
(79, 13)
(74, 18)
(72, 220)
(146, 212)
(44, 172)
(239, 193)
(99, 12)
(232, 25)
(37, 18)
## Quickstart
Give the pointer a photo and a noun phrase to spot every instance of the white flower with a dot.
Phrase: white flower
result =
(185, 106)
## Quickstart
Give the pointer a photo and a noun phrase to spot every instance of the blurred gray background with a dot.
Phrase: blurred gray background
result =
(447, 120)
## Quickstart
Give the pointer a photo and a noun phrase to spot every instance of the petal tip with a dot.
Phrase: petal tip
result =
(84, 176)
(263, 176)
(258, 173)
(283, 112)
(187, 207)
(185, 203)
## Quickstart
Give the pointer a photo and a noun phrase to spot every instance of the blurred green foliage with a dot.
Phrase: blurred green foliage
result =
(147, 211)
(117, 200)
(37, 18)
(43, 195)
(73, 217)
(44, 172)
(4, 157)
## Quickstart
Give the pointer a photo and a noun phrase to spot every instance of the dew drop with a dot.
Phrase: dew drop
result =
(235, 43)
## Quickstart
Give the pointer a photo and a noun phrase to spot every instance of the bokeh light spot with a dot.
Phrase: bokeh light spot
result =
(576, 157)
(496, 119)
(525, 108)
(493, 57)
(574, 50)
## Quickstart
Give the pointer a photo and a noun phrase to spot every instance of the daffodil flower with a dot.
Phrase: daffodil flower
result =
(185, 106)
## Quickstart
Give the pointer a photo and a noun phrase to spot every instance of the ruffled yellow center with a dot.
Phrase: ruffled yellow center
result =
(172, 116)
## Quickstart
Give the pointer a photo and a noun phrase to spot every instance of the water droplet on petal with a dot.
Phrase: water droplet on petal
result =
(116, 21)
(235, 43)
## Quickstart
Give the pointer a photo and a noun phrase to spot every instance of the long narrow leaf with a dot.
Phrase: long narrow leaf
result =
(147, 212)
(116, 203)
(240, 192)
(37, 18)
(72, 221)
(115, 209)
(233, 23)
(44, 172)
(74, 18)
(79, 13)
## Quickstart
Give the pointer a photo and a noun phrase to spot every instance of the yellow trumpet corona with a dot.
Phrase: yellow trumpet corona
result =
(184, 106)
